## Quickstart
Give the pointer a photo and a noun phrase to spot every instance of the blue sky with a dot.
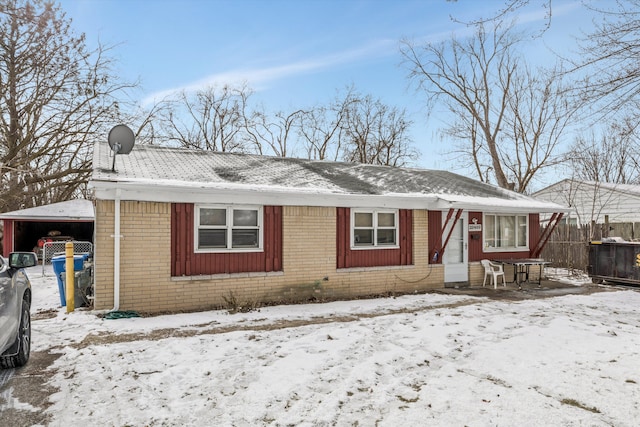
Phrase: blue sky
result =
(296, 54)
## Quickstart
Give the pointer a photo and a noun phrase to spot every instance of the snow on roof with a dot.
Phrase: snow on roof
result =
(75, 210)
(174, 168)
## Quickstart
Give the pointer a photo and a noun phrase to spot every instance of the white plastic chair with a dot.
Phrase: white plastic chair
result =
(494, 270)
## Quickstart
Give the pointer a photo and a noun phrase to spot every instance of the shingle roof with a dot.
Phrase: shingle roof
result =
(176, 167)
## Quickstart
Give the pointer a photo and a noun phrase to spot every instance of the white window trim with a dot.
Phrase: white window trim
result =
(374, 213)
(506, 248)
(229, 209)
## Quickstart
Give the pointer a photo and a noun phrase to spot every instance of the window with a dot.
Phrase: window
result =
(227, 228)
(374, 228)
(506, 232)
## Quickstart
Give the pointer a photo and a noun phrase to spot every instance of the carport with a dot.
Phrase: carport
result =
(28, 229)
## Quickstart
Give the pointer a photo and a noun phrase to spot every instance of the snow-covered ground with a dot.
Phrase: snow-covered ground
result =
(446, 360)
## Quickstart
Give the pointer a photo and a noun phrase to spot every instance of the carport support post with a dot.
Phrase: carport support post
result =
(70, 274)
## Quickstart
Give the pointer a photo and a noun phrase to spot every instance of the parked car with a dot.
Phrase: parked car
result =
(15, 303)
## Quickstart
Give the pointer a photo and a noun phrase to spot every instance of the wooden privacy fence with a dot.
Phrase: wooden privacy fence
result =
(568, 246)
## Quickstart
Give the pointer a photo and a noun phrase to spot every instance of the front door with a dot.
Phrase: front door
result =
(455, 258)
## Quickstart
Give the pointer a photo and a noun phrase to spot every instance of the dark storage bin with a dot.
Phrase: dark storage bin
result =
(81, 290)
(614, 262)
(60, 268)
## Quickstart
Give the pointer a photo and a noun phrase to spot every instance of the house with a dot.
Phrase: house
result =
(179, 229)
(597, 202)
(28, 229)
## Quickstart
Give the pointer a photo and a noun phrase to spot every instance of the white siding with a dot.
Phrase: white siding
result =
(593, 201)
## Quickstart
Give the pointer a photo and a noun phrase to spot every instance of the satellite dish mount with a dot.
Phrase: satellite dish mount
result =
(121, 140)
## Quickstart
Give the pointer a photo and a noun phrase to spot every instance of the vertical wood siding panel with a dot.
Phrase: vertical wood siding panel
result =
(348, 253)
(8, 243)
(534, 231)
(175, 250)
(507, 255)
(267, 242)
(340, 237)
(476, 244)
(402, 236)
(224, 264)
(188, 236)
(178, 242)
(277, 238)
(278, 259)
(408, 237)
(434, 219)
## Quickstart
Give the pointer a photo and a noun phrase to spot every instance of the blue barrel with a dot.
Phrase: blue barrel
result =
(59, 267)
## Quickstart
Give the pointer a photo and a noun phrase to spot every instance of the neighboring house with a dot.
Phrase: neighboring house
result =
(180, 229)
(591, 201)
(26, 228)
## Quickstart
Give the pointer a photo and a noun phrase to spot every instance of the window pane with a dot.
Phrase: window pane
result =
(213, 216)
(363, 219)
(507, 231)
(386, 220)
(387, 236)
(245, 218)
(490, 231)
(363, 237)
(244, 238)
(522, 231)
(212, 239)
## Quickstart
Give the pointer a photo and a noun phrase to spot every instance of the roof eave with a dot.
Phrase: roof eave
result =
(207, 194)
(212, 194)
(499, 205)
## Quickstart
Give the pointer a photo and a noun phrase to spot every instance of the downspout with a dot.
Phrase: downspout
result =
(116, 253)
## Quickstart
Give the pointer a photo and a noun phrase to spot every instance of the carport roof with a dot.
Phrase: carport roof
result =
(72, 210)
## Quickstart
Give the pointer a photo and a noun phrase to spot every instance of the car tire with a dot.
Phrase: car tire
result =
(18, 354)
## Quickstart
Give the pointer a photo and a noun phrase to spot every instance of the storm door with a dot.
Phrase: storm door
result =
(456, 257)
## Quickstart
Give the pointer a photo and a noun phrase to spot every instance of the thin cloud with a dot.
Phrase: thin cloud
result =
(262, 76)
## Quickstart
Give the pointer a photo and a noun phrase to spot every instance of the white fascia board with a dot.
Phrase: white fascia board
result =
(495, 205)
(48, 218)
(256, 196)
(239, 194)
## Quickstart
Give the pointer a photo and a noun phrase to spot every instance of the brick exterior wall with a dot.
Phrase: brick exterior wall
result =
(309, 264)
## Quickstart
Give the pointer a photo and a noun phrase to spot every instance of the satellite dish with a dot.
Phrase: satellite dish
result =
(121, 140)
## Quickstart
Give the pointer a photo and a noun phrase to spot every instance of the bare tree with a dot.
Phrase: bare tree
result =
(510, 8)
(321, 128)
(472, 77)
(209, 119)
(275, 133)
(508, 119)
(539, 111)
(611, 156)
(376, 133)
(147, 122)
(56, 100)
(357, 128)
(610, 58)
